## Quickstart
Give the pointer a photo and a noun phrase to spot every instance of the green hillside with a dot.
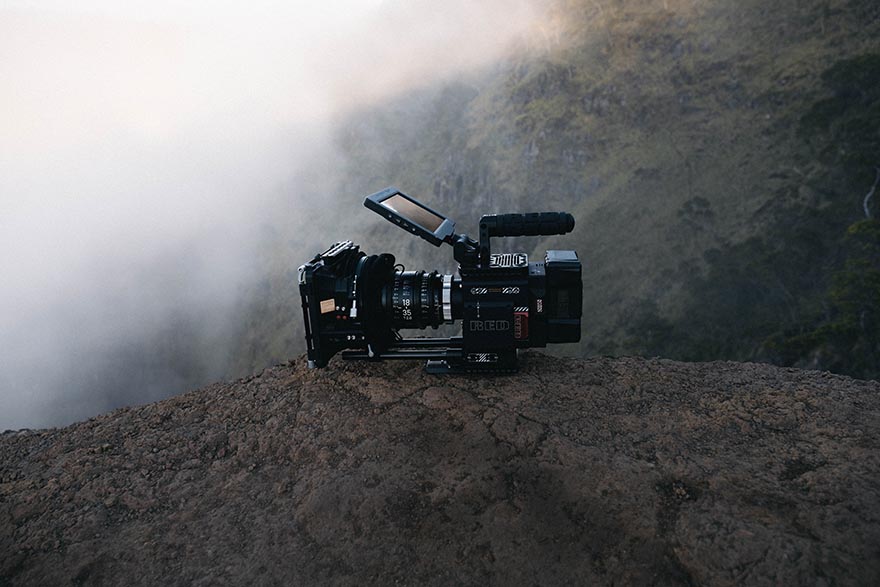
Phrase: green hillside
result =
(715, 154)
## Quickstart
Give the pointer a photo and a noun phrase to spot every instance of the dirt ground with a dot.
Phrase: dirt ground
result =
(596, 471)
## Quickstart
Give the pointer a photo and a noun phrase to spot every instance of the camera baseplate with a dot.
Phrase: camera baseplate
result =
(444, 356)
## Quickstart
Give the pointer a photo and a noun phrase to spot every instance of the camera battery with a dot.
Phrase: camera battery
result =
(564, 296)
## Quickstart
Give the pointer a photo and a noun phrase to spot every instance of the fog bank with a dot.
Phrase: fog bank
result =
(142, 148)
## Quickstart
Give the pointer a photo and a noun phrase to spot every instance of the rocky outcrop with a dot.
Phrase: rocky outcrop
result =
(574, 471)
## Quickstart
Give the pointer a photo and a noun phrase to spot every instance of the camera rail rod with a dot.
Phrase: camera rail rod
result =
(413, 348)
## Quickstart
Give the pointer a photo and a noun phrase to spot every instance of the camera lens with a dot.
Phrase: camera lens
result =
(418, 299)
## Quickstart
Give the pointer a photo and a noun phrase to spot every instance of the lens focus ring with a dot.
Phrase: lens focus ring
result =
(416, 299)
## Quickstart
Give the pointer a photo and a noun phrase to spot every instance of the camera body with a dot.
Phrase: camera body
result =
(357, 303)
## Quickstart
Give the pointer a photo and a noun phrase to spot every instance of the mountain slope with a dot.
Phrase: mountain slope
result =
(714, 155)
(603, 471)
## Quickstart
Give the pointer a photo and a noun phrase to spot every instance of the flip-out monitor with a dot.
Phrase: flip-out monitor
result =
(411, 215)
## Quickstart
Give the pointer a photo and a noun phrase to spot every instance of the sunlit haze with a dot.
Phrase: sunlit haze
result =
(141, 142)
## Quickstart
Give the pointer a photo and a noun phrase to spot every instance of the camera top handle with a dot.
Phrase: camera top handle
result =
(535, 224)
(538, 224)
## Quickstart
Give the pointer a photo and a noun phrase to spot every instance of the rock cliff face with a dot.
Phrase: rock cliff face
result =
(573, 471)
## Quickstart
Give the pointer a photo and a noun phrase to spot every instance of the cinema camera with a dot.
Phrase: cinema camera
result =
(358, 302)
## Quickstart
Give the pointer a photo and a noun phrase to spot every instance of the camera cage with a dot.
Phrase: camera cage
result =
(448, 355)
(344, 270)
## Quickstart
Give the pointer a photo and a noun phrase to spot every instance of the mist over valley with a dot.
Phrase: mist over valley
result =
(163, 176)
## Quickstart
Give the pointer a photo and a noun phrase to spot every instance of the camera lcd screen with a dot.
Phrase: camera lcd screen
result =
(413, 212)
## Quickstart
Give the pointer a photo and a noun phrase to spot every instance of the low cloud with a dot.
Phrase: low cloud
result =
(142, 148)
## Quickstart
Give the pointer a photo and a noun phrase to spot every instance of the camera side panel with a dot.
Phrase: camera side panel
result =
(495, 312)
(564, 296)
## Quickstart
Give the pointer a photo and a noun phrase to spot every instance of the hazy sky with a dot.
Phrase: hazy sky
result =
(141, 141)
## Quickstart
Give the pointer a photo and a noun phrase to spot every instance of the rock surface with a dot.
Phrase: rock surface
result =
(572, 472)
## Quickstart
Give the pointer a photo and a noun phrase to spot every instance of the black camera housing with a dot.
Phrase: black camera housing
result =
(357, 303)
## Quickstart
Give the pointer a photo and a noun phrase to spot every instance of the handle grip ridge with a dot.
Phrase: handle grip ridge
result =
(534, 224)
